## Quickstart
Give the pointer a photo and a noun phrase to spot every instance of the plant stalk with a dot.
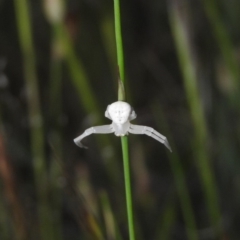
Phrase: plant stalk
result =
(118, 34)
(24, 26)
(124, 140)
(188, 67)
(127, 179)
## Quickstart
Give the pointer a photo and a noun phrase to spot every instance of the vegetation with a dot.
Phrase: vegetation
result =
(60, 64)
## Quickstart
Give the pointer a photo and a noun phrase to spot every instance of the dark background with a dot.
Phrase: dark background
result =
(57, 76)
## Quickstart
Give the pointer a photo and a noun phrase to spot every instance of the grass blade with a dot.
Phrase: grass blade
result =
(124, 140)
(226, 47)
(187, 64)
(118, 35)
(23, 22)
(180, 181)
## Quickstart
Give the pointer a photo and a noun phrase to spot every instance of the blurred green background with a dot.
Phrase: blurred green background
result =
(58, 73)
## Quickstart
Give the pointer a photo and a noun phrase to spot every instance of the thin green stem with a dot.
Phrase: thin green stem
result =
(127, 180)
(34, 113)
(124, 140)
(188, 67)
(118, 34)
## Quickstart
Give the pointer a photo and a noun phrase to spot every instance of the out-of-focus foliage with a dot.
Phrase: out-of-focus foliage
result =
(58, 73)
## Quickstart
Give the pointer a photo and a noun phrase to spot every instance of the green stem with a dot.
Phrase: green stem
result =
(118, 35)
(188, 66)
(124, 140)
(23, 22)
(127, 179)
